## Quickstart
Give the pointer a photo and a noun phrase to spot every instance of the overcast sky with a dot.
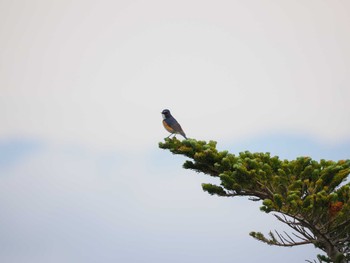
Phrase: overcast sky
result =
(82, 85)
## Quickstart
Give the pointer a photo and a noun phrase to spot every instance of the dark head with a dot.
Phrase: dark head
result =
(166, 113)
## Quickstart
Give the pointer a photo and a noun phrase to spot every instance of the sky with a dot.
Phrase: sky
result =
(82, 85)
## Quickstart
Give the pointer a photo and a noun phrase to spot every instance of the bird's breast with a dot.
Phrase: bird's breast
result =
(167, 127)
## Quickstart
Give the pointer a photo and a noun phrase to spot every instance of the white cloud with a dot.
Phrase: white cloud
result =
(100, 73)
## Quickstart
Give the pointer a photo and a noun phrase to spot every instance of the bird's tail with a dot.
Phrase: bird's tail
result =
(183, 134)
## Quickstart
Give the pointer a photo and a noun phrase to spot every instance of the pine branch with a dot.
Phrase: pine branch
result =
(305, 193)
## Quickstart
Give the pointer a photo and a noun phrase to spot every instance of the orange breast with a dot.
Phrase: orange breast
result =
(167, 127)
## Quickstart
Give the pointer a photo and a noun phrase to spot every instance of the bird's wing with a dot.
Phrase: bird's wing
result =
(176, 126)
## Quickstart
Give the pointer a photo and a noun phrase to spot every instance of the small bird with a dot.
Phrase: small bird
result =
(171, 125)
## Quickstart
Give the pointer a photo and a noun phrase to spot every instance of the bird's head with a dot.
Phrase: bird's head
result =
(166, 113)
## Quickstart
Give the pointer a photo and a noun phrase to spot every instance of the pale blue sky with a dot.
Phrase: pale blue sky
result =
(82, 85)
(68, 203)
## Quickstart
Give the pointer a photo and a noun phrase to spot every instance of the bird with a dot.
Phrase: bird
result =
(171, 125)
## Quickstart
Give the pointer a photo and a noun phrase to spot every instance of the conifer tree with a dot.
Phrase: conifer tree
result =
(308, 196)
